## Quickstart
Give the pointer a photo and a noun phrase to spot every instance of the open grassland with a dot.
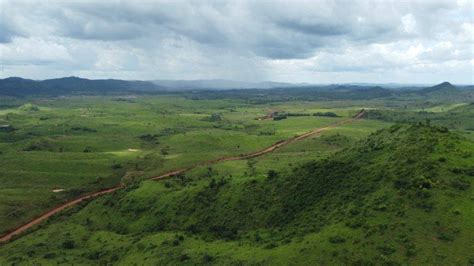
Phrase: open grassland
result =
(370, 192)
(400, 196)
(55, 149)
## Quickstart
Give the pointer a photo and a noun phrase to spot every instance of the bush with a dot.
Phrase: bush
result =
(28, 107)
(212, 118)
(337, 239)
(116, 166)
(83, 129)
(176, 242)
(272, 174)
(386, 249)
(460, 184)
(7, 128)
(326, 114)
(149, 138)
(69, 244)
(401, 183)
(445, 236)
(207, 258)
(50, 255)
(279, 117)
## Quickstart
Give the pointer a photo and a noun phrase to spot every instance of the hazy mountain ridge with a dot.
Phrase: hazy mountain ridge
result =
(16, 86)
(222, 84)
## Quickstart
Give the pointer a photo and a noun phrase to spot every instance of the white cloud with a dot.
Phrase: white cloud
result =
(409, 23)
(247, 40)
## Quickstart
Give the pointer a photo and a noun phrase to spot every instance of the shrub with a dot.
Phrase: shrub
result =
(401, 183)
(337, 239)
(50, 255)
(176, 242)
(278, 117)
(149, 138)
(42, 145)
(7, 128)
(28, 107)
(272, 174)
(207, 258)
(386, 249)
(460, 184)
(326, 114)
(184, 257)
(83, 129)
(212, 118)
(68, 244)
(116, 166)
(271, 245)
(445, 236)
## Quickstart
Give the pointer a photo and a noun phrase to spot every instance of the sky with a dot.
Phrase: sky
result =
(427, 41)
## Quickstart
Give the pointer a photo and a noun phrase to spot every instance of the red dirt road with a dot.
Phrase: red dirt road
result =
(7, 237)
(264, 151)
(52, 212)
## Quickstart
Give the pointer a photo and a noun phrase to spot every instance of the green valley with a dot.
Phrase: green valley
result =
(394, 187)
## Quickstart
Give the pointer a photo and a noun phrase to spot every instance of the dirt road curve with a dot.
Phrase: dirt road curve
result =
(52, 212)
(73, 202)
(264, 151)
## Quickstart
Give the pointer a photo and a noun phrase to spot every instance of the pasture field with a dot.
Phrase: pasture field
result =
(352, 215)
(334, 195)
(63, 147)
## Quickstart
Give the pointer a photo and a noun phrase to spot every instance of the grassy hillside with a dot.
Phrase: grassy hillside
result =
(403, 195)
(54, 149)
(454, 116)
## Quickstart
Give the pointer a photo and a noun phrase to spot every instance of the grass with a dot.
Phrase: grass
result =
(402, 195)
(337, 210)
(82, 143)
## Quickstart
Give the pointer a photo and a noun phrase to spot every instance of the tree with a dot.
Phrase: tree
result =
(272, 174)
(251, 165)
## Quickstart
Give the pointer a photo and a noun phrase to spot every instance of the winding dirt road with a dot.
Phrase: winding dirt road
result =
(7, 237)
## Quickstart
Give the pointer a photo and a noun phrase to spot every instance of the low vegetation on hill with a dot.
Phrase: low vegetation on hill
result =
(402, 195)
(454, 116)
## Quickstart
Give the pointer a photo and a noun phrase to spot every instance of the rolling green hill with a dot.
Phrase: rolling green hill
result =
(403, 195)
(454, 116)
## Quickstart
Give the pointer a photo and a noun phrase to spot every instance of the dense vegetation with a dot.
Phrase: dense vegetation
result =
(55, 149)
(399, 196)
(454, 116)
(392, 188)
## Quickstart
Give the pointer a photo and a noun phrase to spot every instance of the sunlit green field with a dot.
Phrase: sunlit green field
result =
(68, 146)
(56, 149)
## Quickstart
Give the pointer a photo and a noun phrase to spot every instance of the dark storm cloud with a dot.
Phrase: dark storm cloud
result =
(212, 25)
(318, 29)
(126, 21)
(7, 31)
(5, 34)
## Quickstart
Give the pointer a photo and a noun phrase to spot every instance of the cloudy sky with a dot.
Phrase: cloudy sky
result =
(295, 41)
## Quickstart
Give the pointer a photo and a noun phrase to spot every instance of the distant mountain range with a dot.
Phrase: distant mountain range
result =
(222, 84)
(15, 86)
(71, 85)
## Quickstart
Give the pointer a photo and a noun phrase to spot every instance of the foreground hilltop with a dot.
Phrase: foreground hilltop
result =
(403, 195)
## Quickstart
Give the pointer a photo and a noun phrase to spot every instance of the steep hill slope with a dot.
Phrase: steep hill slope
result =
(442, 88)
(443, 92)
(404, 195)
